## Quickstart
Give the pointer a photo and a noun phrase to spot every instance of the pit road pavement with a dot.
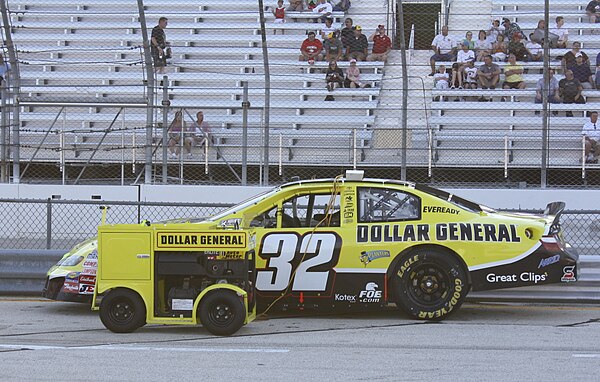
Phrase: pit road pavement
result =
(51, 341)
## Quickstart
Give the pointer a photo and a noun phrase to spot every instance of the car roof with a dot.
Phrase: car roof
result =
(327, 181)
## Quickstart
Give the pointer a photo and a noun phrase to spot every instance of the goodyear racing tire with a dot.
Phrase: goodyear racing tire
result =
(429, 284)
(122, 311)
(222, 312)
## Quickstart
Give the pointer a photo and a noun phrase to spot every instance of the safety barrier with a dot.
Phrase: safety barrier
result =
(22, 272)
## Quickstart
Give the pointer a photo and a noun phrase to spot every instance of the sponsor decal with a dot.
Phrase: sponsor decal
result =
(87, 279)
(370, 294)
(90, 264)
(70, 286)
(93, 255)
(568, 274)
(458, 285)
(89, 271)
(526, 277)
(441, 232)
(344, 297)
(548, 261)
(440, 210)
(86, 289)
(200, 239)
(407, 264)
(348, 212)
(225, 255)
(367, 256)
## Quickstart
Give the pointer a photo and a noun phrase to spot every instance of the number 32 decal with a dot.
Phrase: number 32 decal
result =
(313, 255)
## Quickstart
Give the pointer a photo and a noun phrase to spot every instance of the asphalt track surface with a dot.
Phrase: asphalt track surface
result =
(52, 341)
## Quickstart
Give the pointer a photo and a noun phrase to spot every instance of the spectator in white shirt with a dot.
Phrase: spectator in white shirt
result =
(324, 9)
(440, 79)
(464, 55)
(483, 46)
(443, 47)
(591, 132)
(534, 50)
(494, 31)
(561, 32)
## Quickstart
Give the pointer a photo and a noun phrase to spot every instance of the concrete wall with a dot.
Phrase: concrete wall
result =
(496, 198)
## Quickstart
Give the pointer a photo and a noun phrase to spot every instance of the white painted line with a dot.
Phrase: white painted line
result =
(584, 355)
(143, 348)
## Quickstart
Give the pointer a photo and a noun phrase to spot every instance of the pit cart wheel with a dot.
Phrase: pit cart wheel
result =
(430, 284)
(122, 311)
(222, 312)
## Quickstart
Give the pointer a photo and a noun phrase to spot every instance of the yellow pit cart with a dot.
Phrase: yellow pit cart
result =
(175, 274)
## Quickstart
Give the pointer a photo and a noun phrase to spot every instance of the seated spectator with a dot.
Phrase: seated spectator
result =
(381, 45)
(553, 93)
(499, 49)
(197, 134)
(342, 6)
(334, 77)
(468, 40)
(593, 11)
(347, 32)
(561, 32)
(324, 9)
(470, 71)
(598, 71)
(333, 48)
(175, 132)
(464, 55)
(328, 28)
(296, 5)
(311, 49)
(353, 77)
(581, 72)
(534, 50)
(495, 30)
(488, 74)
(513, 75)
(538, 34)
(357, 45)
(511, 30)
(441, 78)
(483, 46)
(516, 47)
(444, 48)
(569, 58)
(4, 68)
(570, 90)
(591, 132)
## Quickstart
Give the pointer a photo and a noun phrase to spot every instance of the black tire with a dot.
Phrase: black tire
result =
(429, 284)
(222, 312)
(122, 311)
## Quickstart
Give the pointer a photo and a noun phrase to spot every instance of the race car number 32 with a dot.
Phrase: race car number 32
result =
(313, 255)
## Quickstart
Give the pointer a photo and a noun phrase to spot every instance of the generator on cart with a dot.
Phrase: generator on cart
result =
(175, 274)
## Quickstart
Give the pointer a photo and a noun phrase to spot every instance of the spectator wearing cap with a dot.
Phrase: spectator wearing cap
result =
(324, 9)
(333, 48)
(357, 45)
(296, 5)
(562, 32)
(591, 132)
(534, 50)
(353, 76)
(569, 58)
(328, 28)
(381, 45)
(464, 55)
(311, 49)
(347, 32)
(570, 90)
(581, 72)
(511, 29)
(444, 48)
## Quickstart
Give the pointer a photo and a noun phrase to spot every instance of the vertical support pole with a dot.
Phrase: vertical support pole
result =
(280, 154)
(505, 156)
(545, 116)
(165, 134)
(150, 93)
(4, 123)
(354, 148)
(49, 223)
(404, 90)
(245, 106)
(267, 108)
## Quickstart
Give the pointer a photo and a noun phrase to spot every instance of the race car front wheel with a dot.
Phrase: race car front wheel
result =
(122, 311)
(222, 312)
(429, 283)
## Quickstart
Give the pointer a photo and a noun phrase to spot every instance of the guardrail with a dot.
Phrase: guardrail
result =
(23, 272)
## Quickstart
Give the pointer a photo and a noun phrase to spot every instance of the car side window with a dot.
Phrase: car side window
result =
(386, 204)
(307, 210)
(267, 219)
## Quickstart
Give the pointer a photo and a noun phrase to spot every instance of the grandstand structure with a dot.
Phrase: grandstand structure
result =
(81, 110)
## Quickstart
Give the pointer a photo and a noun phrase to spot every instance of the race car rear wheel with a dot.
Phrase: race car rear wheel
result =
(429, 284)
(222, 312)
(122, 311)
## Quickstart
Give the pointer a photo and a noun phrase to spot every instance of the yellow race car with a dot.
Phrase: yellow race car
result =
(354, 243)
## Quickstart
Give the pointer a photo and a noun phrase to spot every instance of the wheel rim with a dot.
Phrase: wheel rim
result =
(221, 314)
(428, 285)
(122, 311)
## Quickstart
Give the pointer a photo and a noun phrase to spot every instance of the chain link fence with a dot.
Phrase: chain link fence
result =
(91, 99)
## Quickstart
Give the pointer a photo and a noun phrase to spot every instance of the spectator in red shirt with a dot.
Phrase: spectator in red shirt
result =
(311, 49)
(381, 45)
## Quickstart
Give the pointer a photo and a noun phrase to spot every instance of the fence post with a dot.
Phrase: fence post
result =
(245, 106)
(49, 224)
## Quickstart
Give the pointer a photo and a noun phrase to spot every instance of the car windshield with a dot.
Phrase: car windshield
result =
(456, 200)
(253, 200)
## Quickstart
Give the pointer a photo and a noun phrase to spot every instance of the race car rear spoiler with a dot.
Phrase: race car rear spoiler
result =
(554, 209)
